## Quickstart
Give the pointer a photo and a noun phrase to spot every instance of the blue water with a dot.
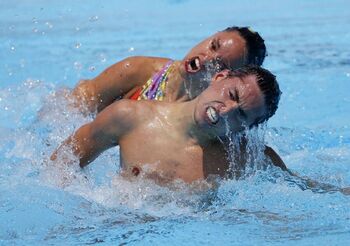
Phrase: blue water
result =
(46, 47)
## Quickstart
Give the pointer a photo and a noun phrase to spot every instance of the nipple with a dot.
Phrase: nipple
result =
(135, 171)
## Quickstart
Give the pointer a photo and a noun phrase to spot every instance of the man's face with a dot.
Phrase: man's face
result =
(230, 104)
(220, 51)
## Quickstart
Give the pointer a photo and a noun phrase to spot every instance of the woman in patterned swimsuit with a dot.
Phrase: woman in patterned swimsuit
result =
(180, 80)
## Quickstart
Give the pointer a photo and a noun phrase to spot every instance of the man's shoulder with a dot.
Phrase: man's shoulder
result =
(130, 110)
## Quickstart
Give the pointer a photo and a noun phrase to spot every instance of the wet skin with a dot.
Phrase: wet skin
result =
(173, 139)
(223, 49)
(122, 79)
(231, 104)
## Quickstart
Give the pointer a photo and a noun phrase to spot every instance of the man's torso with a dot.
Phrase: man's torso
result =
(160, 150)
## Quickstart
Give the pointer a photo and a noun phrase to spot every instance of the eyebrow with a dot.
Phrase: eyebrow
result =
(240, 110)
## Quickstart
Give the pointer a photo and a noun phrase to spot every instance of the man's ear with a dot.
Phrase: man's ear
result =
(220, 75)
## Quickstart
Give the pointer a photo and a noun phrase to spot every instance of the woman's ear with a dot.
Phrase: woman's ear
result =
(221, 75)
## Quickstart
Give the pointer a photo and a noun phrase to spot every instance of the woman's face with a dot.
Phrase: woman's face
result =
(220, 51)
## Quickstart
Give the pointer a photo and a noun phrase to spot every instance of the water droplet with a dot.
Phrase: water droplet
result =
(131, 49)
(78, 65)
(35, 30)
(13, 48)
(92, 68)
(49, 25)
(22, 63)
(347, 74)
(102, 58)
(77, 45)
(34, 20)
(93, 18)
(77, 28)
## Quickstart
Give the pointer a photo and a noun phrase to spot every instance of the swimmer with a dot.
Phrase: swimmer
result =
(231, 48)
(164, 79)
(172, 140)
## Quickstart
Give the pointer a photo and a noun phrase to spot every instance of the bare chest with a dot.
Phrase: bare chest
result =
(162, 154)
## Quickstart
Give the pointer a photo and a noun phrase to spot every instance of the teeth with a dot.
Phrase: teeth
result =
(212, 115)
(197, 62)
(193, 65)
(189, 67)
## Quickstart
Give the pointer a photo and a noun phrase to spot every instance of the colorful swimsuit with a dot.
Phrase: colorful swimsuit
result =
(154, 89)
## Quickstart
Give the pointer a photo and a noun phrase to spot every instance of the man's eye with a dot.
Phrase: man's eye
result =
(232, 96)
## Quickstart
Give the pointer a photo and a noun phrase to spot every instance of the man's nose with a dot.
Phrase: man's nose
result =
(228, 107)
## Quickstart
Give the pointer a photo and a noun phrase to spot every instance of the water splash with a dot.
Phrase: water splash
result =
(245, 150)
(82, 201)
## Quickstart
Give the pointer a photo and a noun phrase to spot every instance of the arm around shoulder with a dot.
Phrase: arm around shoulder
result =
(114, 82)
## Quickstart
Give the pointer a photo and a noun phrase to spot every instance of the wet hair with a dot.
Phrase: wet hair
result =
(254, 42)
(268, 85)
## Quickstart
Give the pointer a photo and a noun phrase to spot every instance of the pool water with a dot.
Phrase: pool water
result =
(47, 47)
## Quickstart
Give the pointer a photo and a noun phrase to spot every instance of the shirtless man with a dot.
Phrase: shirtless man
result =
(170, 141)
(183, 80)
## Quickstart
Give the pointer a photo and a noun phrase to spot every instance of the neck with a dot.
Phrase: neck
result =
(175, 90)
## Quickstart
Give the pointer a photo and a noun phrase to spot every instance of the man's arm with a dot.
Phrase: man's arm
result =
(104, 132)
(275, 158)
(115, 81)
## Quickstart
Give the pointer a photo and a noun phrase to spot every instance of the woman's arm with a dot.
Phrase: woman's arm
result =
(116, 81)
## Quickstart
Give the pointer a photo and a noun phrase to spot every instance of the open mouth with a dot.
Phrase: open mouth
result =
(193, 65)
(212, 115)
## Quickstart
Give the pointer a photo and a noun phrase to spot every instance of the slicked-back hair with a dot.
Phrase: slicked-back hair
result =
(255, 44)
(268, 85)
